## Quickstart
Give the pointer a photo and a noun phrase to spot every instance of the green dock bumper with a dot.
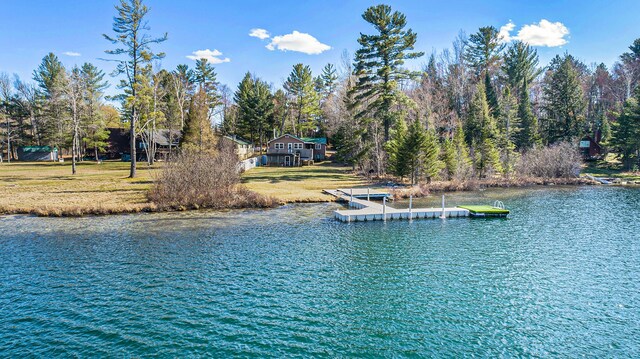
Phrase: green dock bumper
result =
(486, 211)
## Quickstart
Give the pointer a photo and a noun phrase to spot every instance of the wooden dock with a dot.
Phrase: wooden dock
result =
(372, 211)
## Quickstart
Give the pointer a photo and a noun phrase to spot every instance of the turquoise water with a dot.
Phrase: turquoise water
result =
(561, 277)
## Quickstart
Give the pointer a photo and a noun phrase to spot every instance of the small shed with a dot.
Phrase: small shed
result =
(37, 153)
(590, 148)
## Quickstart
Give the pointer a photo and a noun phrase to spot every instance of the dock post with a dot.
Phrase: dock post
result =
(410, 206)
(384, 208)
(368, 192)
(351, 200)
(444, 215)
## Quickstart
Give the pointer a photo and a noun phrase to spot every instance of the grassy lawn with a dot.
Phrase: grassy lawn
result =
(301, 184)
(610, 168)
(48, 187)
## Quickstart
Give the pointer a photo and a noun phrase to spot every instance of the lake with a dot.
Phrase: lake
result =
(560, 277)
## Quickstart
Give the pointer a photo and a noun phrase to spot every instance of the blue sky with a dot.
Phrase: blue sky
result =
(592, 31)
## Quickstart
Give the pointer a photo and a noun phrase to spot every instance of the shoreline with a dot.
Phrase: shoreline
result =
(417, 191)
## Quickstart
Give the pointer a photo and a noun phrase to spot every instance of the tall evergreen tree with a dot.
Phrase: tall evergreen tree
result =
(378, 63)
(626, 133)
(528, 135)
(483, 55)
(564, 101)
(432, 163)
(520, 66)
(198, 133)
(484, 134)
(130, 27)
(300, 87)
(95, 132)
(329, 78)
(413, 151)
(51, 78)
(205, 77)
(395, 148)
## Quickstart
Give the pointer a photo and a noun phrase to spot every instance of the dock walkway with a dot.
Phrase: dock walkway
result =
(372, 211)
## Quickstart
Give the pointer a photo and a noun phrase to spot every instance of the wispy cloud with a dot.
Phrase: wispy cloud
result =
(298, 41)
(544, 33)
(72, 53)
(214, 57)
(259, 33)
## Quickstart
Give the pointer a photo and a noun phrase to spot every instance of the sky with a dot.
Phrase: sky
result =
(268, 38)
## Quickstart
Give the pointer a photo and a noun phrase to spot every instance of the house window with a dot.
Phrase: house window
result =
(289, 146)
(298, 146)
(318, 146)
(279, 146)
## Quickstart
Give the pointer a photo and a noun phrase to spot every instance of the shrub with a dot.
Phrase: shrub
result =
(193, 179)
(562, 160)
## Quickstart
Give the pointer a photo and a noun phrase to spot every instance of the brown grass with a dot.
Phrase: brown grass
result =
(49, 189)
(424, 189)
(301, 184)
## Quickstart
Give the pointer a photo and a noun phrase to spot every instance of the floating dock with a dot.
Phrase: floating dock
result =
(366, 210)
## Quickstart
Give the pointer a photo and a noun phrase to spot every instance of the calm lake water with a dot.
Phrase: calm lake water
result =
(560, 277)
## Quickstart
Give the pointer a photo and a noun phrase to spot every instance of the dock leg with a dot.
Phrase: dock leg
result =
(351, 201)
(368, 193)
(444, 214)
(410, 207)
(384, 208)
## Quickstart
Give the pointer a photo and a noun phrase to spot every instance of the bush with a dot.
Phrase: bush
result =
(193, 179)
(562, 160)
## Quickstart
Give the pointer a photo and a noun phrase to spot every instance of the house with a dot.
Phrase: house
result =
(244, 149)
(289, 150)
(118, 143)
(37, 153)
(590, 148)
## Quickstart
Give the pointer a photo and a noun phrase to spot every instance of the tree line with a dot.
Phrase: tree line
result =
(472, 110)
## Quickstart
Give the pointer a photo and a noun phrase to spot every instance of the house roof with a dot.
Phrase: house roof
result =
(37, 149)
(321, 140)
(238, 140)
(161, 136)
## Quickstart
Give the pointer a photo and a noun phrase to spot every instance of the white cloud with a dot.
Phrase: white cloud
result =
(544, 33)
(259, 33)
(298, 41)
(505, 31)
(71, 53)
(213, 57)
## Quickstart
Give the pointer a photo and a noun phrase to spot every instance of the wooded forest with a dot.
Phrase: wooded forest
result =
(471, 111)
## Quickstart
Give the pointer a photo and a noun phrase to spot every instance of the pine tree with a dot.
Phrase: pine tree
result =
(508, 129)
(520, 66)
(564, 101)
(432, 164)
(449, 158)
(300, 87)
(413, 151)
(95, 132)
(483, 54)
(463, 159)
(198, 134)
(395, 146)
(51, 78)
(205, 77)
(329, 78)
(484, 134)
(626, 133)
(378, 63)
(130, 27)
(528, 135)
(255, 109)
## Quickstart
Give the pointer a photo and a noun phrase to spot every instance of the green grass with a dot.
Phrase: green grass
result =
(301, 184)
(610, 168)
